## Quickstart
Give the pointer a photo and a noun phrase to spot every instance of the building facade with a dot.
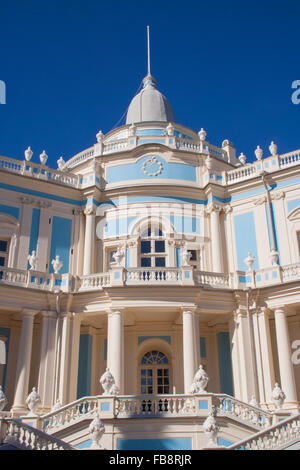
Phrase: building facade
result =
(149, 254)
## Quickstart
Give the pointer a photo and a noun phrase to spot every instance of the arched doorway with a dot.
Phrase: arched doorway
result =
(154, 373)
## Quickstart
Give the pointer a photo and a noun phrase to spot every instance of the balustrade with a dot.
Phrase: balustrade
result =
(29, 437)
(277, 436)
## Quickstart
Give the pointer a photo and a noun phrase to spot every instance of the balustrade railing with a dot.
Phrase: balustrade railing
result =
(212, 279)
(278, 436)
(146, 276)
(153, 275)
(227, 405)
(155, 406)
(241, 174)
(28, 437)
(94, 281)
(69, 414)
(41, 172)
(289, 159)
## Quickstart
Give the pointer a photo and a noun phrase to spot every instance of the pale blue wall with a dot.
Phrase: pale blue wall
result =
(10, 210)
(225, 368)
(245, 237)
(84, 366)
(134, 171)
(34, 231)
(61, 242)
(155, 444)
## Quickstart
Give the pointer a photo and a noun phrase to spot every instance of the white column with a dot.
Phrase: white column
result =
(189, 352)
(47, 360)
(68, 357)
(286, 368)
(24, 362)
(89, 242)
(247, 368)
(216, 240)
(235, 358)
(264, 356)
(115, 345)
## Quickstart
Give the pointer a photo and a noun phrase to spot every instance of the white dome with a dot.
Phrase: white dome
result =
(149, 105)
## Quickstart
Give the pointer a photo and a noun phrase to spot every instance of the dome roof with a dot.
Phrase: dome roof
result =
(149, 105)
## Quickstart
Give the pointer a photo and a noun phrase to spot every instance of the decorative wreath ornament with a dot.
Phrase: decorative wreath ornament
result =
(152, 162)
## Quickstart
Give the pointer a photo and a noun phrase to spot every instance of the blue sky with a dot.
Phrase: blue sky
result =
(72, 68)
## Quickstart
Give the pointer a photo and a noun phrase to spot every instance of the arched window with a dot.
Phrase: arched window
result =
(155, 373)
(152, 247)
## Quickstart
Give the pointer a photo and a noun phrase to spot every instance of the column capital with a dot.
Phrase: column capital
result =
(115, 311)
(281, 309)
(263, 311)
(48, 313)
(213, 207)
(29, 312)
(89, 210)
(186, 310)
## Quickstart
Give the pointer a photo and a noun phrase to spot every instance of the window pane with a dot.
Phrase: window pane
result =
(159, 246)
(146, 262)
(2, 261)
(111, 256)
(160, 262)
(194, 255)
(146, 247)
(3, 245)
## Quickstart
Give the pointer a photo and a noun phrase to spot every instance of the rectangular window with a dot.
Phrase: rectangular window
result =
(159, 246)
(4, 246)
(160, 262)
(146, 262)
(146, 247)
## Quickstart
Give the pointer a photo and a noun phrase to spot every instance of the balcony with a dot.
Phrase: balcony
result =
(116, 277)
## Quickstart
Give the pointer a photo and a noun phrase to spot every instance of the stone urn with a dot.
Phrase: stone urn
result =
(99, 137)
(249, 261)
(278, 396)
(28, 154)
(43, 158)
(33, 401)
(242, 158)
(108, 383)
(200, 381)
(96, 430)
(258, 153)
(132, 130)
(273, 149)
(32, 260)
(274, 255)
(202, 134)
(60, 163)
(57, 264)
(3, 399)
(211, 428)
(170, 129)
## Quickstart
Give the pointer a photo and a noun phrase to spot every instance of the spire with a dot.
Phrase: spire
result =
(148, 47)
(149, 80)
